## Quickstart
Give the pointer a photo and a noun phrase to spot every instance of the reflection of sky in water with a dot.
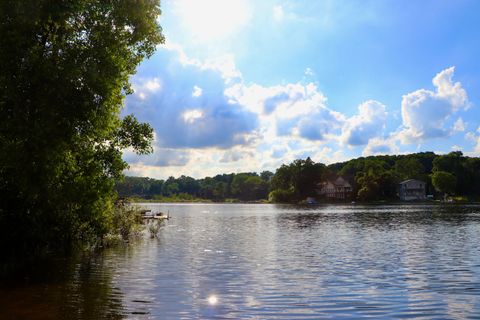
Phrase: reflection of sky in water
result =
(265, 261)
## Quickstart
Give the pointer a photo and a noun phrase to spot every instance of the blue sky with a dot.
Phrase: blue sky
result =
(244, 85)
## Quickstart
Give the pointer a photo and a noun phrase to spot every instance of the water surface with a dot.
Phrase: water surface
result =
(233, 261)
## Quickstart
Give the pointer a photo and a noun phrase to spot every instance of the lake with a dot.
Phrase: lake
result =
(249, 261)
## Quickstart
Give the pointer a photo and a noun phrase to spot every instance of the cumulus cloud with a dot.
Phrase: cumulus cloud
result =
(476, 150)
(162, 157)
(426, 113)
(184, 100)
(367, 124)
(291, 110)
(278, 152)
(144, 87)
(197, 91)
(459, 125)
(203, 112)
(190, 116)
(474, 138)
(271, 103)
(470, 136)
(235, 155)
(377, 146)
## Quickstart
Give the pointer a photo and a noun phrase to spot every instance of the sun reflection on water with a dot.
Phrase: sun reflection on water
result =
(212, 300)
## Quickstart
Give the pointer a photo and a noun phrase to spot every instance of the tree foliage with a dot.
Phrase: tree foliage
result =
(298, 180)
(375, 181)
(247, 186)
(373, 178)
(444, 182)
(65, 67)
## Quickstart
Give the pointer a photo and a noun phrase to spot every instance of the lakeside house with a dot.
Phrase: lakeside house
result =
(412, 189)
(338, 189)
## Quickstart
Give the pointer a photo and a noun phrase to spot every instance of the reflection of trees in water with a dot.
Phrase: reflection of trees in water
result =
(89, 293)
(379, 216)
(67, 288)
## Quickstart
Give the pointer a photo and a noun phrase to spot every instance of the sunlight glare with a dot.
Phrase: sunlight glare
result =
(209, 20)
(212, 300)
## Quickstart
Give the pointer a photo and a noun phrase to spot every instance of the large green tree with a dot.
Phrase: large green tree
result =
(65, 68)
(247, 186)
(297, 180)
(375, 181)
(408, 168)
(444, 182)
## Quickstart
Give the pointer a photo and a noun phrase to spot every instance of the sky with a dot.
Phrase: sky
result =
(245, 85)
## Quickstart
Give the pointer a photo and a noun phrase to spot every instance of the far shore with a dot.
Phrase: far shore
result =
(234, 201)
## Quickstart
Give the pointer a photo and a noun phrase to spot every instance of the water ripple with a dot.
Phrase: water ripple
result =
(274, 262)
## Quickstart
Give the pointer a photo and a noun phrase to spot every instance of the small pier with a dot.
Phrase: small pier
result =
(148, 214)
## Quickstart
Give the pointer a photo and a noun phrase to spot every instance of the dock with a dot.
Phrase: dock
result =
(148, 214)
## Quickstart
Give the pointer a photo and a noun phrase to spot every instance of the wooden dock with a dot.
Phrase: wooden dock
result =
(147, 214)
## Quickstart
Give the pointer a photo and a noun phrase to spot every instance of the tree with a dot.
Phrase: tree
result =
(455, 163)
(298, 180)
(246, 186)
(65, 67)
(409, 168)
(266, 176)
(375, 181)
(444, 182)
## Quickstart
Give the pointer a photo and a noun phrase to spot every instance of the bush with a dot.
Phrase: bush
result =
(126, 221)
(153, 227)
(281, 195)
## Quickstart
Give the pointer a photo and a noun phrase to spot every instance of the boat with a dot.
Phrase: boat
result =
(311, 200)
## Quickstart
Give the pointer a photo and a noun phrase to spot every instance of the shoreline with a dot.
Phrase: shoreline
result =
(386, 202)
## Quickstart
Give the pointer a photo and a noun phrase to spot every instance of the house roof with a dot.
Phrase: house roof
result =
(411, 180)
(340, 181)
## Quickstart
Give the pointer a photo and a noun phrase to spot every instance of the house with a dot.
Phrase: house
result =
(338, 189)
(412, 190)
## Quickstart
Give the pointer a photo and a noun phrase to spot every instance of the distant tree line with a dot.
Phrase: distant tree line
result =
(247, 186)
(372, 178)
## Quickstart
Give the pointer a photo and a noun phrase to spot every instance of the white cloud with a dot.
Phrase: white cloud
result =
(291, 110)
(309, 72)
(185, 120)
(278, 152)
(446, 89)
(459, 125)
(474, 138)
(197, 91)
(278, 13)
(425, 113)
(367, 124)
(190, 116)
(470, 136)
(153, 85)
(203, 112)
(161, 157)
(377, 146)
(145, 87)
(477, 147)
(235, 155)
